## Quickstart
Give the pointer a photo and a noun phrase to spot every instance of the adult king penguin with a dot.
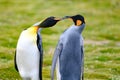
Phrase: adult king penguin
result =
(69, 52)
(29, 51)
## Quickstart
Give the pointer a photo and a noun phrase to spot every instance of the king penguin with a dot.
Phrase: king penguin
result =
(69, 53)
(29, 51)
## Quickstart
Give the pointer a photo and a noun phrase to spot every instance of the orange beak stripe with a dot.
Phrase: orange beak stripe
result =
(57, 19)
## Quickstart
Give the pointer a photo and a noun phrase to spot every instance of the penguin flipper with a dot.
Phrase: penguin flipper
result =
(15, 63)
(82, 66)
(55, 57)
(39, 45)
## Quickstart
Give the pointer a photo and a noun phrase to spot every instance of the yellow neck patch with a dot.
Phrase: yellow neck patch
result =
(78, 22)
(33, 30)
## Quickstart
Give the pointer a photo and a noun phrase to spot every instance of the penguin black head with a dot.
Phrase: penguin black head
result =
(49, 22)
(77, 19)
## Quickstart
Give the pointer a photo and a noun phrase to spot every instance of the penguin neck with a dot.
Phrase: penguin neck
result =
(33, 29)
(40, 29)
(79, 28)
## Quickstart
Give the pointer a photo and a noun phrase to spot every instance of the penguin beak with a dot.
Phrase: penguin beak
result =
(65, 17)
(56, 18)
(59, 19)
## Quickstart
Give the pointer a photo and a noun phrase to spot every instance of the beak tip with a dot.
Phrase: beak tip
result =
(65, 17)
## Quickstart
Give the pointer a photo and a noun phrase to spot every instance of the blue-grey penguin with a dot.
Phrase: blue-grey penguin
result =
(69, 53)
(29, 52)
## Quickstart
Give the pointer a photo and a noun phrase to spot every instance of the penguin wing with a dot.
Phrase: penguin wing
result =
(39, 45)
(55, 57)
(15, 63)
(82, 65)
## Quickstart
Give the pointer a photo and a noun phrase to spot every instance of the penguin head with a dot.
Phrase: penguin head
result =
(49, 22)
(77, 19)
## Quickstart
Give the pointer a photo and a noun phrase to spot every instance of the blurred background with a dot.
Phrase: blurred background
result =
(101, 35)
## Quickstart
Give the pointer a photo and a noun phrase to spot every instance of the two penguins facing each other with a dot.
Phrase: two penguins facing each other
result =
(69, 54)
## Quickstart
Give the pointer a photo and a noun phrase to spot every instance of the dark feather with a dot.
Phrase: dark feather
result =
(39, 45)
(15, 63)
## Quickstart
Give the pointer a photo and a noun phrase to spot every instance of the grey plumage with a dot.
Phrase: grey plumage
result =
(69, 53)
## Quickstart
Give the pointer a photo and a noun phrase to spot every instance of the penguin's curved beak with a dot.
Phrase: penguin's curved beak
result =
(65, 17)
(56, 18)
(59, 19)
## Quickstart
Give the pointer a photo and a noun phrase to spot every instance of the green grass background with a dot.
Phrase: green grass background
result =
(102, 34)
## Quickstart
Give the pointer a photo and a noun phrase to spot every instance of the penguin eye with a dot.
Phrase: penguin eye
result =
(78, 22)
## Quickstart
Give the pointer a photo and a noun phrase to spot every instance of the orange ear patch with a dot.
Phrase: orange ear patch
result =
(78, 22)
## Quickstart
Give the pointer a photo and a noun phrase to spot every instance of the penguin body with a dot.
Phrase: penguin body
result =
(29, 52)
(69, 54)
